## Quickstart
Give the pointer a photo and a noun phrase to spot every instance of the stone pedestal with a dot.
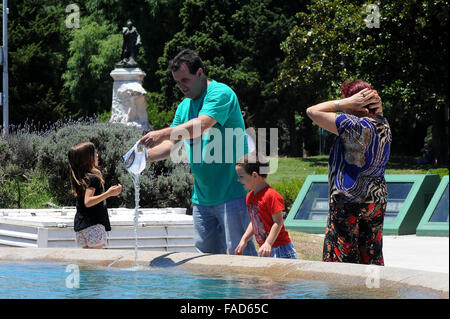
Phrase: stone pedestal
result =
(129, 105)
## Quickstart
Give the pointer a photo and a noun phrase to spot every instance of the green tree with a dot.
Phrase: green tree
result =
(37, 44)
(332, 42)
(93, 50)
(239, 42)
(156, 21)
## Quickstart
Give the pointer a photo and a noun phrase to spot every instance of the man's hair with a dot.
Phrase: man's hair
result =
(190, 58)
(253, 162)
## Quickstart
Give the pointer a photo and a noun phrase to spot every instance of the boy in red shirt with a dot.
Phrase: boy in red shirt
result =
(265, 206)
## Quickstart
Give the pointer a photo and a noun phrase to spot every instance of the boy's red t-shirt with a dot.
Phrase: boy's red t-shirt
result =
(261, 206)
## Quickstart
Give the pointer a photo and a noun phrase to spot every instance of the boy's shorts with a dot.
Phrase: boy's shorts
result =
(92, 236)
(284, 251)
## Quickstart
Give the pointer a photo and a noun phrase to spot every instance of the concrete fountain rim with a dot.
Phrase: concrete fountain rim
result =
(276, 268)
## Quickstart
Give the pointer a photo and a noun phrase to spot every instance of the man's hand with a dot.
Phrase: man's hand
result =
(154, 138)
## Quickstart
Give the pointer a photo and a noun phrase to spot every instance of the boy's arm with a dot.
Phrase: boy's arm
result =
(248, 233)
(266, 248)
(244, 240)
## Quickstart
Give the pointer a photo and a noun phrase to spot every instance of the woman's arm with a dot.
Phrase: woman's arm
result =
(324, 114)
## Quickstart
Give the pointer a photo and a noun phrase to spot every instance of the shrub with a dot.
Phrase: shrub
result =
(23, 149)
(288, 188)
(162, 184)
(18, 158)
(6, 200)
(5, 152)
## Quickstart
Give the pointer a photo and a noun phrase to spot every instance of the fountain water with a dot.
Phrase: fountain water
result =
(135, 161)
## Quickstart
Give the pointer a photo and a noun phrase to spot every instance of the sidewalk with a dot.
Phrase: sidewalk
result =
(417, 252)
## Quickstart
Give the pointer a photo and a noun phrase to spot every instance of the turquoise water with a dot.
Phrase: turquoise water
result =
(50, 280)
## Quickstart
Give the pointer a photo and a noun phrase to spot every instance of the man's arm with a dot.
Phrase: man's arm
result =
(160, 152)
(191, 129)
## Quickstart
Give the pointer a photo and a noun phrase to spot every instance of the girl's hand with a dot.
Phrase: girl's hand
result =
(115, 190)
(264, 250)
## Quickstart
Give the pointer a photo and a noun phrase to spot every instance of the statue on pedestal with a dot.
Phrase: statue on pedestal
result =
(130, 47)
(129, 104)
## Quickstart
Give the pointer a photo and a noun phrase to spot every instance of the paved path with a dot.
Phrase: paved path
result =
(417, 252)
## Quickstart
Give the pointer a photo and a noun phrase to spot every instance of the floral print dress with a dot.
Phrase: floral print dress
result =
(357, 190)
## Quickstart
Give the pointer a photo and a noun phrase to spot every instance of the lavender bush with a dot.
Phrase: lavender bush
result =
(44, 148)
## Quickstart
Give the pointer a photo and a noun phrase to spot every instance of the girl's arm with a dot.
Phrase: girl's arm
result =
(91, 200)
(266, 248)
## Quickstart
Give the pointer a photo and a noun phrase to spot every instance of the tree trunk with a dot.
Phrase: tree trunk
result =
(439, 143)
(293, 136)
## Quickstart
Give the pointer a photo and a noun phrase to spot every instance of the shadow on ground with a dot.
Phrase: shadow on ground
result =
(164, 262)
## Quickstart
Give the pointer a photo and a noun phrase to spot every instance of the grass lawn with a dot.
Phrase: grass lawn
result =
(298, 168)
(308, 246)
(291, 172)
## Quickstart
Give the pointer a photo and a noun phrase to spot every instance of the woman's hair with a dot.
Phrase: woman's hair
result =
(351, 88)
(252, 162)
(82, 164)
(190, 58)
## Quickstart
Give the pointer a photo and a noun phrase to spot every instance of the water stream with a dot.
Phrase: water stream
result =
(136, 215)
(135, 162)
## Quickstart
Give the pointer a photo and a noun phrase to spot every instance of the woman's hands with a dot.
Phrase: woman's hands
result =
(361, 102)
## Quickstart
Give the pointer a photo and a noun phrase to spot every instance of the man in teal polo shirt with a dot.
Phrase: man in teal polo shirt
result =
(209, 121)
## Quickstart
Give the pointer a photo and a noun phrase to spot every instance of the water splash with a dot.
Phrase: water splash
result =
(135, 161)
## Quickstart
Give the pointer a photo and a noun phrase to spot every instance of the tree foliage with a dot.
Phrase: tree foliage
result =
(279, 56)
(93, 50)
(238, 41)
(37, 55)
(333, 42)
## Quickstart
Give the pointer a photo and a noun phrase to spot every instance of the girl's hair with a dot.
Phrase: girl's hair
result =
(351, 88)
(251, 162)
(82, 165)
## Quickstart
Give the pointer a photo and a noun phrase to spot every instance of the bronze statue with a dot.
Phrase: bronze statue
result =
(130, 47)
